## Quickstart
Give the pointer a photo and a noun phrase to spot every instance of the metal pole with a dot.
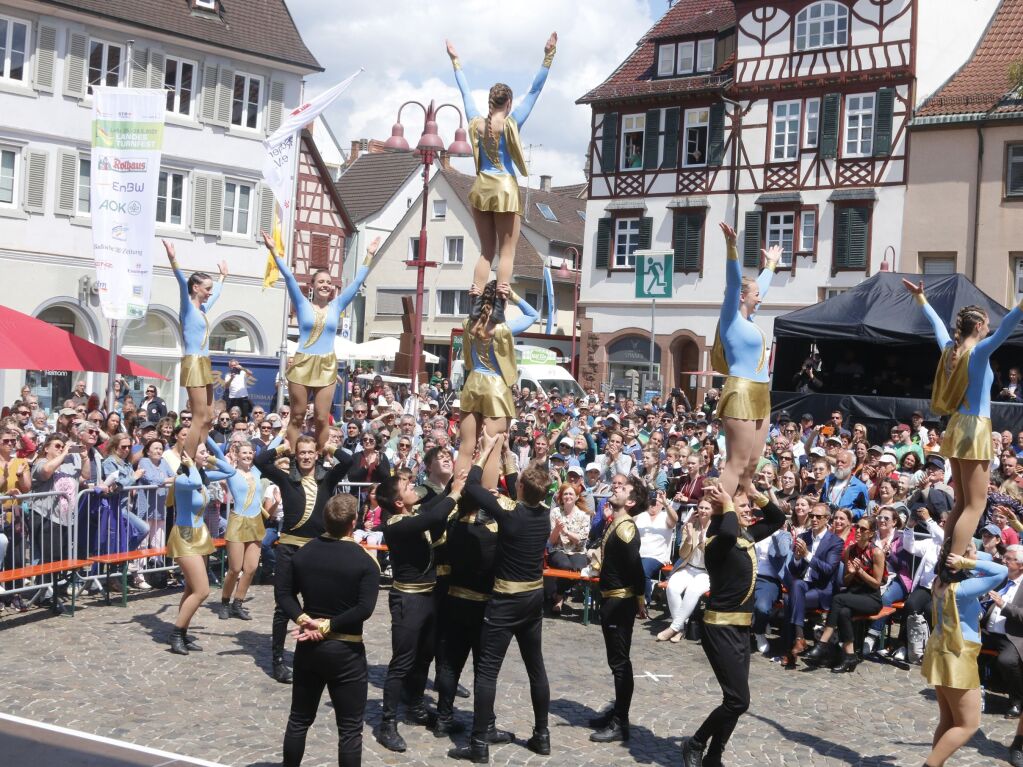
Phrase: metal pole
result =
(112, 370)
(417, 321)
(575, 322)
(653, 317)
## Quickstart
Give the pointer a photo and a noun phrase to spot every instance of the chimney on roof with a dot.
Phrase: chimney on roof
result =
(359, 147)
(445, 160)
(545, 183)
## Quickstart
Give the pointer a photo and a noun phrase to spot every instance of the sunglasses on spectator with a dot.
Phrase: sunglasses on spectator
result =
(404, 444)
(8, 441)
(820, 516)
(98, 419)
(58, 445)
(369, 441)
(786, 457)
(24, 412)
(186, 418)
(863, 528)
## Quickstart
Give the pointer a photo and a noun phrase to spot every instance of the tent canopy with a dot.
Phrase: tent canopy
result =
(880, 310)
(27, 343)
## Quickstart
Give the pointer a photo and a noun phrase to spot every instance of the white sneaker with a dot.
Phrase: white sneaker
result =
(900, 655)
(141, 584)
(762, 645)
(869, 642)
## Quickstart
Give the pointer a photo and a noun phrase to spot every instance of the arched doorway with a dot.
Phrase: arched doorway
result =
(153, 341)
(52, 387)
(685, 356)
(235, 335)
(628, 361)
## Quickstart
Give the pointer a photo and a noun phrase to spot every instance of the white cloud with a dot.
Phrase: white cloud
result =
(404, 56)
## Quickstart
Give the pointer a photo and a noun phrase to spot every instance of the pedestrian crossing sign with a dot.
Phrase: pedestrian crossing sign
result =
(653, 274)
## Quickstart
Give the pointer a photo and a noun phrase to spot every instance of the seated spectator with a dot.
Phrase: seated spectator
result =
(123, 529)
(656, 526)
(933, 444)
(1002, 623)
(651, 473)
(991, 540)
(860, 595)
(809, 578)
(570, 525)
(370, 463)
(820, 470)
(369, 532)
(898, 564)
(772, 554)
(842, 526)
(1000, 516)
(902, 441)
(613, 460)
(688, 580)
(843, 490)
(799, 520)
(921, 539)
(910, 463)
(884, 494)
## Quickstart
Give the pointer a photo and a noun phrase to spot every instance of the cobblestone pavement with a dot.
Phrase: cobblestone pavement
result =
(107, 671)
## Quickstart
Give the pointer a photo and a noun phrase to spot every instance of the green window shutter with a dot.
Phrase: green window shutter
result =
(65, 198)
(857, 235)
(75, 81)
(686, 241)
(266, 211)
(840, 258)
(36, 167)
(609, 143)
(646, 230)
(208, 109)
(603, 253)
(884, 117)
(831, 107)
(650, 136)
(678, 240)
(716, 135)
(46, 56)
(751, 239)
(225, 95)
(200, 202)
(670, 159)
(275, 107)
(138, 76)
(157, 70)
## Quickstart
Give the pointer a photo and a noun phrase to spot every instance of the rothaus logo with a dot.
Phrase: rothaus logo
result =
(132, 208)
(122, 166)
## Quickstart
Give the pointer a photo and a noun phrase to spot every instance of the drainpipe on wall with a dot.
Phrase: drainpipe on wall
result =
(976, 193)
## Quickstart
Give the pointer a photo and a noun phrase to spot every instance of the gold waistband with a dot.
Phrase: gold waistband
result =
(727, 619)
(344, 637)
(502, 586)
(443, 570)
(414, 588)
(617, 593)
(462, 593)
(293, 540)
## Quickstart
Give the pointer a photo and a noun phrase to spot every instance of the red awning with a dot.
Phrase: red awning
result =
(27, 343)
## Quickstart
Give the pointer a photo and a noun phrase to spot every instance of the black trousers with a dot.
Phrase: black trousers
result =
(617, 617)
(461, 629)
(1007, 665)
(341, 668)
(519, 616)
(560, 560)
(727, 649)
(285, 551)
(412, 628)
(847, 604)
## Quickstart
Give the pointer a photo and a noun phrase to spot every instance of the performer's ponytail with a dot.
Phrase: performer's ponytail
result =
(499, 97)
(485, 306)
(967, 320)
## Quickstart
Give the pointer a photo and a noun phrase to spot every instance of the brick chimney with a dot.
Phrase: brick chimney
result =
(359, 147)
(545, 183)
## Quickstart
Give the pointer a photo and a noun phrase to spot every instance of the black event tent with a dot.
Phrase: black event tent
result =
(881, 311)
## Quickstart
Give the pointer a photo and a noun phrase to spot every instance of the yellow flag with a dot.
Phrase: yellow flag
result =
(272, 273)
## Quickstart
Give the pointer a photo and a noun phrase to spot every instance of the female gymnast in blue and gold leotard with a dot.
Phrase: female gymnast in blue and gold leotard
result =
(740, 352)
(497, 150)
(313, 371)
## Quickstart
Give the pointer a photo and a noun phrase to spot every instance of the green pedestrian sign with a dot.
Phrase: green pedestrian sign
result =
(653, 274)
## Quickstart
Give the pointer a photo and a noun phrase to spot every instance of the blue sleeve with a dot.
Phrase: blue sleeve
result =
(191, 481)
(940, 331)
(521, 112)
(463, 85)
(988, 346)
(294, 289)
(529, 316)
(214, 295)
(223, 471)
(991, 574)
(346, 295)
(182, 286)
(733, 288)
(764, 281)
(214, 448)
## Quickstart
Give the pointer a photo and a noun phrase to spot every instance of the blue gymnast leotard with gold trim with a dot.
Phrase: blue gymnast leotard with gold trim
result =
(195, 333)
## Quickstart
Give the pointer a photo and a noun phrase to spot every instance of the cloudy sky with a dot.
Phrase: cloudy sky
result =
(401, 46)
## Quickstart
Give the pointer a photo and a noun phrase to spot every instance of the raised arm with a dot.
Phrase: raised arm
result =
(463, 84)
(991, 575)
(940, 330)
(529, 315)
(223, 471)
(267, 468)
(521, 113)
(345, 296)
(339, 470)
(988, 345)
(218, 286)
(294, 289)
(214, 448)
(733, 279)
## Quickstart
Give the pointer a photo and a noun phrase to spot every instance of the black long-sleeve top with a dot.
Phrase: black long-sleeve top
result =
(336, 579)
(380, 472)
(440, 543)
(522, 534)
(621, 568)
(303, 517)
(731, 564)
(472, 548)
(409, 539)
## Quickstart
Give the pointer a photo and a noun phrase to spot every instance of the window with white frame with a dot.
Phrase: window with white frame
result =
(626, 242)
(83, 194)
(807, 231)
(686, 58)
(452, 303)
(665, 60)
(546, 212)
(859, 125)
(440, 209)
(781, 231)
(237, 208)
(813, 121)
(1018, 281)
(8, 177)
(209, 5)
(696, 126)
(179, 82)
(823, 294)
(786, 130)
(246, 101)
(1014, 170)
(705, 55)
(453, 249)
(633, 129)
(13, 50)
(170, 198)
(104, 63)
(413, 248)
(822, 25)
(938, 264)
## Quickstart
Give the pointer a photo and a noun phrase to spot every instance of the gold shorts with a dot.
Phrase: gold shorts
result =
(189, 542)
(313, 370)
(744, 399)
(196, 371)
(942, 668)
(487, 395)
(245, 529)
(496, 193)
(967, 437)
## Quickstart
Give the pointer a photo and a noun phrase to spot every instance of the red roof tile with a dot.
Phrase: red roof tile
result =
(982, 84)
(692, 17)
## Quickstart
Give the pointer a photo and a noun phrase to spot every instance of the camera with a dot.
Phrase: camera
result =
(651, 497)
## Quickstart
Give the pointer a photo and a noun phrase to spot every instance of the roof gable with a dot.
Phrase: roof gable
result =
(373, 179)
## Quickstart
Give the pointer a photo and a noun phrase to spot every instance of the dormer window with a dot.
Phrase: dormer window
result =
(822, 25)
(680, 59)
(204, 5)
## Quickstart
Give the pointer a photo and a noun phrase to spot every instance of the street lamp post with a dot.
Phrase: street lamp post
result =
(429, 144)
(563, 273)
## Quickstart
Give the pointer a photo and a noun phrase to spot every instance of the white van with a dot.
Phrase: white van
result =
(538, 370)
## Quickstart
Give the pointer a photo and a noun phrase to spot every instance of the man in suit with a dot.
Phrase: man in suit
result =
(843, 490)
(1003, 632)
(809, 577)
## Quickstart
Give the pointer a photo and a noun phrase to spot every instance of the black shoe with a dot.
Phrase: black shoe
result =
(1014, 709)
(603, 720)
(224, 611)
(847, 665)
(281, 673)
(1016, 757)
(617, 729)
(692, 753)
(420, 716)
(477, 752)
(177, 643)
(461, 692)
(818, 656)
(239, 611)
(388, 737)
(191, 644)
(446, 725)
(540, 742)
(496, 737)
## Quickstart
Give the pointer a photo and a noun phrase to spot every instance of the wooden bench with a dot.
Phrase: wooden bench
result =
(587, 582)
(50, 568)
(121, 560)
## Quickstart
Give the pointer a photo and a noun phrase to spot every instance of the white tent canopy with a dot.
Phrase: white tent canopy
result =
(386, 349)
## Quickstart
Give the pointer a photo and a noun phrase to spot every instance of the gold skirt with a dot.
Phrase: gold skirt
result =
(189, 542)
(196, 371)
(488, 395)
(496, 193)
(313, 370)
(744, 399)
(245, 529)
(967, 437)
(942, 668)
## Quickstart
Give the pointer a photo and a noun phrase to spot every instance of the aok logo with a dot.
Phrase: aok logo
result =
(132, 208)
(122, 166)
